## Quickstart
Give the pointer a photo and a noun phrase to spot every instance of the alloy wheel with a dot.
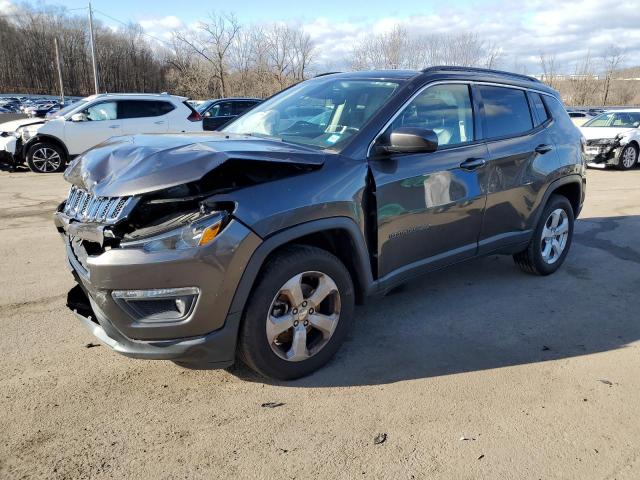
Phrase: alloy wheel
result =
(554, 236)
(46, 160)
(629, 157)
(303, 316)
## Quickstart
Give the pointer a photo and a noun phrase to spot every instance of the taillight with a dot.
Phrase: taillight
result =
(194, 117)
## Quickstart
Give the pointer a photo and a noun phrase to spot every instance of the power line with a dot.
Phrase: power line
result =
(127, 24)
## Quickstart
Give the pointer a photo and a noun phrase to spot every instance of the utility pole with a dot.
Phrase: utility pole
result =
(55, 42)
(93, 51)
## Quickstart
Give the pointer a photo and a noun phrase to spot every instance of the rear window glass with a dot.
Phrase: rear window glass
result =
(142, 108)
(506, 111)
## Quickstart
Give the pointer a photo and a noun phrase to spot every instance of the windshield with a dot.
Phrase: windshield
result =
(615, 119)
(68, 109)
(319, 113)
(201, 107)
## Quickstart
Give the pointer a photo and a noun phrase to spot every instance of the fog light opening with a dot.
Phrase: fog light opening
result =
(159, 305)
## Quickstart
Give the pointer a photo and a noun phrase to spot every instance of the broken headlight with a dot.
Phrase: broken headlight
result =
(196, 234)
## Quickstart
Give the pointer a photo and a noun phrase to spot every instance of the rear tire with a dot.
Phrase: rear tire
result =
(278, 337)
(551, 239)
(45, 157)
(628, 157)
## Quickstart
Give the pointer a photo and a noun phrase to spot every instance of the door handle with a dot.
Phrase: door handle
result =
(114, 126)
(472, 163)
(159, 122)
(542, 149)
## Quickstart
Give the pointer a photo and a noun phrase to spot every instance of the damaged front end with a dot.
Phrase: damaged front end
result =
(603, 151)
(159, 266)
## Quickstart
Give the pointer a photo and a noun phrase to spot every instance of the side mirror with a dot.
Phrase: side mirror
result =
(411, 140)
(78, 117)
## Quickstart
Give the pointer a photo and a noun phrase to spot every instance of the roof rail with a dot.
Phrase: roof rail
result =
(325, 73)
(454, 68)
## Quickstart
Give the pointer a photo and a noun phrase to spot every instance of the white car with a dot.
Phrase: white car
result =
(613, 138)
(578, 117)
(47, 145)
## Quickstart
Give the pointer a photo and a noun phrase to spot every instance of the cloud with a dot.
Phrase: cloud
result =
(163, 27)
(523, 29)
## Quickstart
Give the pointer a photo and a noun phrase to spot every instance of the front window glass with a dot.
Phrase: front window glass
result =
(445, 109)
(323, 113)
(615, 119)
(101, 111)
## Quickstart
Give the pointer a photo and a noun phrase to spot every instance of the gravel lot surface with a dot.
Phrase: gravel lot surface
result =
(477, 372)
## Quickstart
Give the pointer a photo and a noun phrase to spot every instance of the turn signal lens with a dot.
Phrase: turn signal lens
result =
(209, 234)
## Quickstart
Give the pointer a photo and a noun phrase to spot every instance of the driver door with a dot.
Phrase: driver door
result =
(217, 116)
(99, 123)
(430, 205)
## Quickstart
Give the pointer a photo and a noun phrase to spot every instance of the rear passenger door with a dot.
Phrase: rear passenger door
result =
(143, 116)
(521, 155)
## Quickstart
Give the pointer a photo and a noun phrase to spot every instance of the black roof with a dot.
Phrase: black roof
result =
(445, 71)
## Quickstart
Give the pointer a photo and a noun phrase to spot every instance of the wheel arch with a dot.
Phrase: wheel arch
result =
(636, 143)
(338, 235)
(45, 138)
(571, 187)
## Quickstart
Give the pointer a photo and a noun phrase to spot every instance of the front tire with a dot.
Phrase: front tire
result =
(551, 239)
(45, 157)
(298, 314)
(628, 157)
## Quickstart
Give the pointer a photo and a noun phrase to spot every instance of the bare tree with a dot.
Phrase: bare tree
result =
(584, 82)
(213, 42)
(399, 48)
(549, 69)
(612, 60)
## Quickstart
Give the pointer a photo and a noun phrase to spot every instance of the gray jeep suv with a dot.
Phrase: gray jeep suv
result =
(258, 240)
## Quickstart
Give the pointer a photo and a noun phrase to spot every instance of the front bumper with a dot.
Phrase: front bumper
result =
(207, 335)
(602, 154)
(8, 148)
(214, 350)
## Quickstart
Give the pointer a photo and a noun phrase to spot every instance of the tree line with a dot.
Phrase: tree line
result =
(222, 57)
(126, 60)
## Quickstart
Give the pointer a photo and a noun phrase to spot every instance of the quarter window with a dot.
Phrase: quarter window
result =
(506, 111)
(539, 108)
(445, 109)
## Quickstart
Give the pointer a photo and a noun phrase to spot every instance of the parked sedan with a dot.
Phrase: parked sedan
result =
(579, 117)
(217, 113)
(613, 138)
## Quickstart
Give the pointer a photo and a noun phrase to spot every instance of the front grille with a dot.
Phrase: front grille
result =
(85, 207)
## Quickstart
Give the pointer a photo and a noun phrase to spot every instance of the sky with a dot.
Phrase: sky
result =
(523, 29)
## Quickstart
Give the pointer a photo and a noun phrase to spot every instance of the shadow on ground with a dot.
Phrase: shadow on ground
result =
(487, 314)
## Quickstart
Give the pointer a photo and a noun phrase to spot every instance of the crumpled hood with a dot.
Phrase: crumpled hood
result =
(591, 133)
(13, 125)
(133, 165)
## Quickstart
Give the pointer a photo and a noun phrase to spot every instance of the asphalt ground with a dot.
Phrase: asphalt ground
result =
(480, 371)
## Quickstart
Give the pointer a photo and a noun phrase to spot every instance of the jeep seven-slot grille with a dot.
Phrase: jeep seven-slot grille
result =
(85, 207)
